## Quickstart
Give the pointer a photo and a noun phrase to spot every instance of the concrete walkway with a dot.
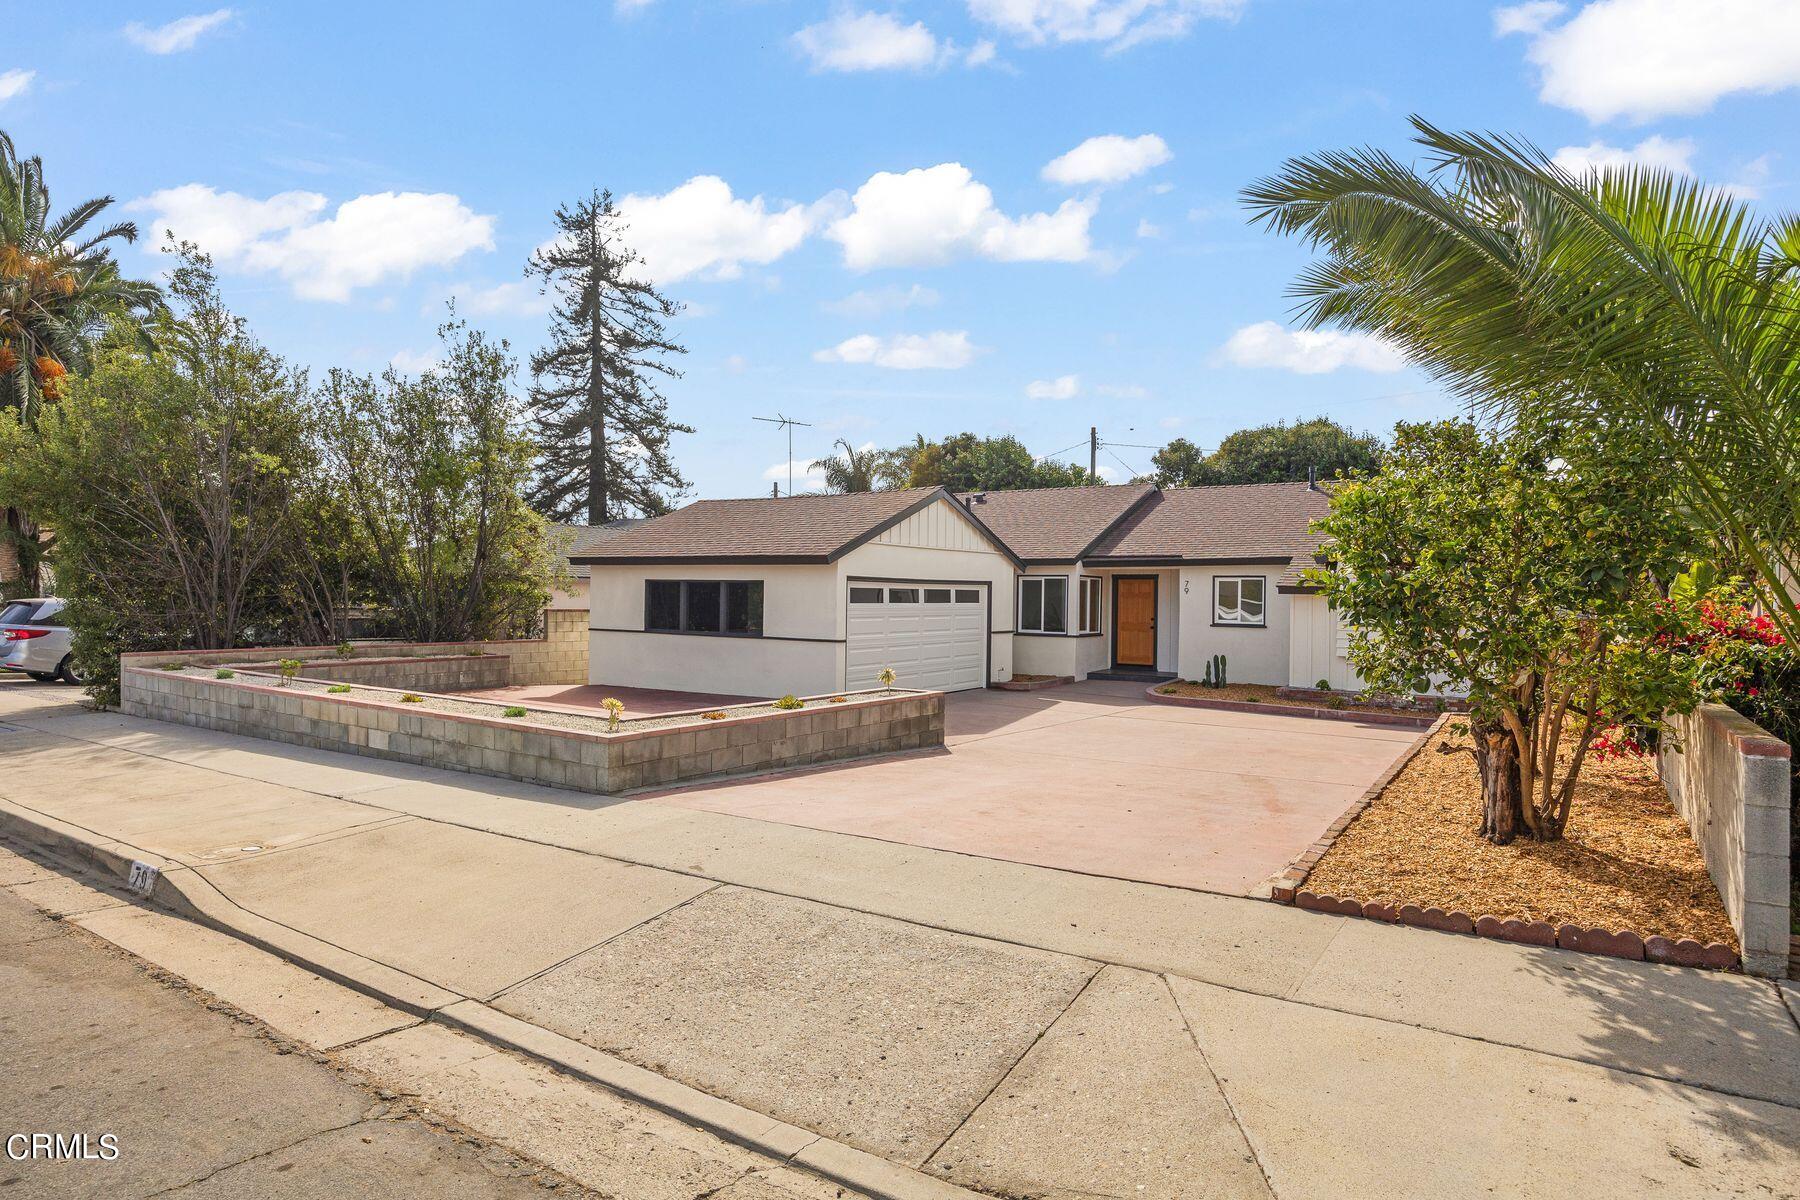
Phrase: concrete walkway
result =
(1004, 1026)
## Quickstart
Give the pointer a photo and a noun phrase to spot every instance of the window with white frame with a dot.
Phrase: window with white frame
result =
(1090, 604)
(1240, 600)
(1044, 605)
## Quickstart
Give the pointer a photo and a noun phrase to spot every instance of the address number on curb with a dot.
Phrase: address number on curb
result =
(142, 879)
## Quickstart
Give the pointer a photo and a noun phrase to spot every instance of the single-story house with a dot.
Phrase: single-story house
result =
(812, 594)
(580, 540)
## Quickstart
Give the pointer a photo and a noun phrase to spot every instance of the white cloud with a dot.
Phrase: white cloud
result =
(933, 215)
(367, 240)
(1647, 58)
(737, 364)
(1147, 229)
(179, 34)
(626, 8)
(1669, 154)
(1532, 17)
(980, 54)
(520, 298)
(1123, 391)
(853, 41)
(1118, 23)
(1308, 351)
(940, 351)
(1110, 158)
(872, 302)
(1063, 387)
(1171, 422)
(699, 228)
(409, 362)
(15, 82)
(1752, 177)
(805, 478)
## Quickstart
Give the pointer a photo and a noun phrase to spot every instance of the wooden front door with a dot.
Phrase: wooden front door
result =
(1134, 621)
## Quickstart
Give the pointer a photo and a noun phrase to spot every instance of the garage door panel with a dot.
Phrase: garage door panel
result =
(929, 645)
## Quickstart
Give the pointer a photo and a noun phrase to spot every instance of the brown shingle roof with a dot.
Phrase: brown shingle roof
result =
(584, 539)
(1053, 524)
(1232, 522)
(791, 529)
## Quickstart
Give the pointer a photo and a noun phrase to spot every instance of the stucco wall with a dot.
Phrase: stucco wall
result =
(1252, 654)
(1730, 780)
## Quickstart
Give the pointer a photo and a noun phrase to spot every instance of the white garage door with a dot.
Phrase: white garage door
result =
(933, 636)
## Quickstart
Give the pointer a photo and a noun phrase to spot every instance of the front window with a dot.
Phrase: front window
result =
(1044, 605)
(1090, 604)
(1239, 600)
(725, 606)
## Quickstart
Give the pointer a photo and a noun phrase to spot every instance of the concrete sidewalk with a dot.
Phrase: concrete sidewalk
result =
(1010, 1028)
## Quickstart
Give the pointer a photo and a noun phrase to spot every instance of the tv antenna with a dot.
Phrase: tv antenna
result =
(787, 423)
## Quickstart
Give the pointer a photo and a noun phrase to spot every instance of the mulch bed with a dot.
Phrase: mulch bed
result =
(1627, 860)
(1262, 693)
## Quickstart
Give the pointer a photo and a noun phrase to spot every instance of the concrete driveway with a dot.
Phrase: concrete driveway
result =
(1095, 778)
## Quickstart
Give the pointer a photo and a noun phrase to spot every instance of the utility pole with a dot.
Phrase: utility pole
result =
(1093, 453)
(788, 423)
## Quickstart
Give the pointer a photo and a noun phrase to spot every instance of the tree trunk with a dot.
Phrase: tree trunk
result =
(1497, 758)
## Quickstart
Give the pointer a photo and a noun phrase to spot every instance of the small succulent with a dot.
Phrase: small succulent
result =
(712, 716)
(338, 689)
(887, 677)
(514, 711)
(411, 698)
(837, 700)
(345, 650)
(224, 673)
(790, 703)
(614, 710)
(287, 668)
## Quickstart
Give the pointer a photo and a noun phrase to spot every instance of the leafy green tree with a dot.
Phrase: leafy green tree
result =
(1628, 301)
(433, 471)
(853, 470)
(60, 290)
(600, 424)
(1524, 570)
(965, 462)
(174, 478)
(1278, 453)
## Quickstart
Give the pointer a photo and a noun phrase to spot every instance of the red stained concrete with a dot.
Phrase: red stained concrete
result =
(586, 698)
(1092, 778)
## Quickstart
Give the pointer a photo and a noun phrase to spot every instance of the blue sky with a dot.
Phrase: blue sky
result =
(886, 219)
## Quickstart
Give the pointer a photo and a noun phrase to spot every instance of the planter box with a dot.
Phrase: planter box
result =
(581, 760)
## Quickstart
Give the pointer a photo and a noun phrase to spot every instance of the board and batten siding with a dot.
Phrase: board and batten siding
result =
(1318, 644)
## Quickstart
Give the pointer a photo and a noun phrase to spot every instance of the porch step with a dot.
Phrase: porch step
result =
(1133, 676)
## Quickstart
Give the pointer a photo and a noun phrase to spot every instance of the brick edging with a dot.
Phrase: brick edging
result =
(1286, 885)
(1031, 685)
(1397, 720)
(1288, 888)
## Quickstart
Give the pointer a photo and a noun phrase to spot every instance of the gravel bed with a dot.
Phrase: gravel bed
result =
(493, 710)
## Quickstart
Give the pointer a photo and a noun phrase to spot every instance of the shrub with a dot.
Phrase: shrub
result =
(175, 666)
(1324, 685)
(224, 673)
(345, 650)
(712, 716)
(338, 689)
(789, 703)
(514, 711)
(614, 710)
(411, 698)
(287, 668)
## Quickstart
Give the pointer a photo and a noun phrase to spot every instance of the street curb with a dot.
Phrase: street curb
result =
(180, 890)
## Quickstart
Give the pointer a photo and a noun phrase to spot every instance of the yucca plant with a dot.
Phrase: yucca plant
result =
(1628, 301)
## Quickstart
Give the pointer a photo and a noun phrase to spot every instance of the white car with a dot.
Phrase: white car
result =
(34, 641)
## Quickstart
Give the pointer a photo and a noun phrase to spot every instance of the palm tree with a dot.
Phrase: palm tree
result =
(59, 285)
(853, 470)
(59, 290)
(1628, 300)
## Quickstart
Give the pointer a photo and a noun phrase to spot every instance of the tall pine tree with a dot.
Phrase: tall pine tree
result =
(600, 425)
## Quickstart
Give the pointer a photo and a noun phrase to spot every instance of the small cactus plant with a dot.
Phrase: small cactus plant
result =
(338, 689)
(514, 711)
(887, 677)
(224, 673)
(1215, 672)
(345, 650)
(789, 703)
(287, 668)
(614, 710)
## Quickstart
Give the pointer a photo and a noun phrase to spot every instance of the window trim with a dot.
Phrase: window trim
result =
(1088, 608)
(1240, 580)
(1042, 582)
(724, 586)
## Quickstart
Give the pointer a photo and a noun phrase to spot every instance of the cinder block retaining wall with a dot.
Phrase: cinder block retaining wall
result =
(1730, 779)
(588, 762)
(428, 673)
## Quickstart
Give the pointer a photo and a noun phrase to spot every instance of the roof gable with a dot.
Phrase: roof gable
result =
(1270, 521)
(1055, 524)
